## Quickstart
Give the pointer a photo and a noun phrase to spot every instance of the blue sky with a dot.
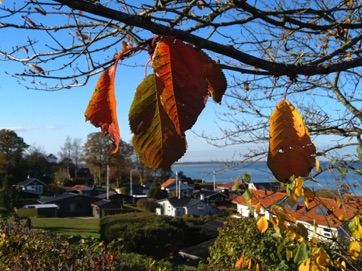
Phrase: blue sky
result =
(45, 118)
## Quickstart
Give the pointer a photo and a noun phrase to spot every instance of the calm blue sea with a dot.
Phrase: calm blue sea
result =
(259, 172)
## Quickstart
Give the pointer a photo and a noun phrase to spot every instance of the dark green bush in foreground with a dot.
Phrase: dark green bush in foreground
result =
(149, 234)
(36, 250)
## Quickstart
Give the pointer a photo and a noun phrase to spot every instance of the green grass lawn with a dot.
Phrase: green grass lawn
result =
(83, 227)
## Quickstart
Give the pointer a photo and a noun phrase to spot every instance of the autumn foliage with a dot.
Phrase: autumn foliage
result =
(167, 103)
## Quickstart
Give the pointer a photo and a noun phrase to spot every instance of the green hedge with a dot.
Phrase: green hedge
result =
(147, 233)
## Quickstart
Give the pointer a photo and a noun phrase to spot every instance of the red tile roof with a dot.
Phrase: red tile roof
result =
(322, 211)
(229, 185)
(266, 197)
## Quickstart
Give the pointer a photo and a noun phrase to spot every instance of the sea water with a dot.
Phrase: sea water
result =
(225, 172)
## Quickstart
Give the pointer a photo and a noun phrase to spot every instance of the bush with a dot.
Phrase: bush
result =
(24, 249)
(241, 236)
(147, 205)
(146, 233)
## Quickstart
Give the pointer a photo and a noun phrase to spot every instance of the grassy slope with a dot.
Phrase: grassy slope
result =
(83, 227)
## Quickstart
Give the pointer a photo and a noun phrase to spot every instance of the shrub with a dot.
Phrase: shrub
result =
(146, 233)
(33, 250)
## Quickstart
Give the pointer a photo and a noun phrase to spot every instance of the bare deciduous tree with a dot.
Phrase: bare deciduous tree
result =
(310, 49)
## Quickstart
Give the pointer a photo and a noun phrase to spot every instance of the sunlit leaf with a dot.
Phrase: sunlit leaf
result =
(342, 170)
(101, 110)
(354, 249)
(342, 218)
(305, 265)
(281, 212)
(258, 207)
(155, 139)
(301, 254)
(359, 152)
(291, 151)
(317, 165)
(186, 89)
(262, 224)
(214, 76)
(240, 262)
(37, 68)
(246, 178)
(235, 185)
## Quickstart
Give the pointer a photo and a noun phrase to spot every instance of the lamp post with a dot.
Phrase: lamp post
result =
(214, 179)
(130, 182)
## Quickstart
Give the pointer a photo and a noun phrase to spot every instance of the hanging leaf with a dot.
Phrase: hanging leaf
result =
(302, 253)
(37, 68)
(101, 110)
(214, 76)
(186, 90)
(235, 185)
(41, 11)
(359, 152)
(291, 151)
(25, 49)
(155, 139)
(262, 224)
(354, 249)
(247, 178)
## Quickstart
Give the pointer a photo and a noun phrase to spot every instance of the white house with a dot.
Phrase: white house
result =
(265, 197)
(322, 216)
(31, 185)
(183, 206)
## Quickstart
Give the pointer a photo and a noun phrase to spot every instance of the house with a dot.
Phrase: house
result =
(183, 206)
(38, 210)
(171, 186)
(271, 186)
(71, 204)
(324, 218)
(32, 186)
(210, 196)
(265, 197)
(105, 207)
(229, 186)
(85, 190)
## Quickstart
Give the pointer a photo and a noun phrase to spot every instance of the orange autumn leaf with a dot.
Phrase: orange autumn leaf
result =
(291, 151)
(101, 110)
(186, 89)
(155, 139)
(262, 224)
(240, 262)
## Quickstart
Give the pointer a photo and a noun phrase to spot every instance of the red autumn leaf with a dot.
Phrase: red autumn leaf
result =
(101, 110)
(155, 139)
(214, 76)
(30, 21)
(291, 151)
(186, 89)
(83, 36)
(41, 11)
